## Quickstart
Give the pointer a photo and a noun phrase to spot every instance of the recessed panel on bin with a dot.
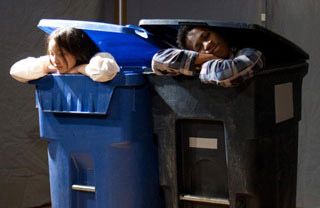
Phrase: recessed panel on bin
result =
(283, 97)
(83, 178)
(201, 161)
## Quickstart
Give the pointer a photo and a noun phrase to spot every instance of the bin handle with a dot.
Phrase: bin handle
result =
(83, 188)
(139, 31)
(217, 201)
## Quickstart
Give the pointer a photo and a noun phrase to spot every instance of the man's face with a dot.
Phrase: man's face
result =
(204, 40)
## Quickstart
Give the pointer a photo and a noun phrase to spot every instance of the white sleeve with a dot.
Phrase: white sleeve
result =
(29, 69)
(102, 67)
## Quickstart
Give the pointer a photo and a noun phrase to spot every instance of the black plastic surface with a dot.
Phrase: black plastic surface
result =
(261, 154)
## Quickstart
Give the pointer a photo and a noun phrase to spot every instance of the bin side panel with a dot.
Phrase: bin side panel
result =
(260, 152)
(114, 153)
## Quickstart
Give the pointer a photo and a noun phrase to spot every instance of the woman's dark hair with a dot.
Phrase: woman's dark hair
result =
(74, 41)
(182, 33)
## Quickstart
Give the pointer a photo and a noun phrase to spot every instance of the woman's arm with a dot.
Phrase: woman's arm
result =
(101, 68)
(230, 72)
(31, 68)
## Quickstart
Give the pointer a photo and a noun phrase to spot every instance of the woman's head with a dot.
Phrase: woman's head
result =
(69, 47)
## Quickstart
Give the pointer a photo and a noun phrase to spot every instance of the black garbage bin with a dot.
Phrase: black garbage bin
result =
(233, 147)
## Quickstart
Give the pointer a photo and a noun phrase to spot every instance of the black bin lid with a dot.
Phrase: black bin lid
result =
(277, 49)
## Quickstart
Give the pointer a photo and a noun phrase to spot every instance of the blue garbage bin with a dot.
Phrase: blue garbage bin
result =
(101, 148)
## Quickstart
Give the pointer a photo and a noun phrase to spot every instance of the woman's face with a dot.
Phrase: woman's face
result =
(62, 62)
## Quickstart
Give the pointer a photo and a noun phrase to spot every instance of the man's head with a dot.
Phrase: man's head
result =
(202, 40)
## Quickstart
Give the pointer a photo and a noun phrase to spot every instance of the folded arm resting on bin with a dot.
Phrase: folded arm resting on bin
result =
(101, 68)
(174, 61)
(224, 72)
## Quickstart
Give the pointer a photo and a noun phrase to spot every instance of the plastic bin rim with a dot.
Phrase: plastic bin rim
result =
(85, 25)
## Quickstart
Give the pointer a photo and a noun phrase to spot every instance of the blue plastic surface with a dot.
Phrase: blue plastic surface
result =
(130, 45)
(113, 152)
(100, 134)
(75, 93)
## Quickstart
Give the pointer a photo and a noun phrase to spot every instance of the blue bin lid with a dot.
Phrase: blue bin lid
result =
(131, 46)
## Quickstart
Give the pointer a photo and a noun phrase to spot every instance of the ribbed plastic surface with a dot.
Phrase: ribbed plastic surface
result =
(75, 93)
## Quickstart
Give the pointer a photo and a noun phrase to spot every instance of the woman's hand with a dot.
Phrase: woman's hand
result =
(46, 65)
(78, 69)
(50, 69)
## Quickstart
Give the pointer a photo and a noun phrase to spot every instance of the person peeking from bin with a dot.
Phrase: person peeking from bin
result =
(205, 51)
(69, 51)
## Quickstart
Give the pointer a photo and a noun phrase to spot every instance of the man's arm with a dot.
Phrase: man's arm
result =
(230, 72)
(174, 61)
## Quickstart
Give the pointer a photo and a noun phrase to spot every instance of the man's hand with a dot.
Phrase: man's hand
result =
(202, 58)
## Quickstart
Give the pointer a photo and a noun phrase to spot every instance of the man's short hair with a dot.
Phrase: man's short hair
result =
(182, 34)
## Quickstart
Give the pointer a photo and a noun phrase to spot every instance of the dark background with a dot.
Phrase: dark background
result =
(23, 156)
